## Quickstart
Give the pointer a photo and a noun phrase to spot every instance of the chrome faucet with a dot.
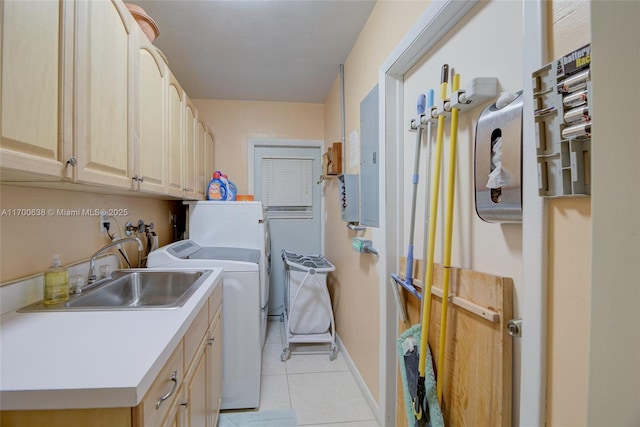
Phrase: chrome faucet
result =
(92, 263)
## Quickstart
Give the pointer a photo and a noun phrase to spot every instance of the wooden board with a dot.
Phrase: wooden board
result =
(477, 369)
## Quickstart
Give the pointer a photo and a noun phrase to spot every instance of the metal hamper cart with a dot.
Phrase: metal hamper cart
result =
(308, 314)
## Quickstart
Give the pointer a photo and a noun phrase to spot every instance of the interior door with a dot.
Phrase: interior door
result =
(280, 173)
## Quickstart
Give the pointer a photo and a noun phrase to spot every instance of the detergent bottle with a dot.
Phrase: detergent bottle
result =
(217, 189)
(232, 191)
(231, 187)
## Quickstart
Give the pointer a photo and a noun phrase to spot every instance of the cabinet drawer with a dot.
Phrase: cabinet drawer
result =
(151, 413)
(195, 336)
(214, 301)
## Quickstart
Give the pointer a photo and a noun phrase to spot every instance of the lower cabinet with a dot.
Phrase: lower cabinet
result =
(214, 370)
(186, 391)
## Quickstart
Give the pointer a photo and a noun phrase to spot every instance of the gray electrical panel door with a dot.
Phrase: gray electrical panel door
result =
(369, 136)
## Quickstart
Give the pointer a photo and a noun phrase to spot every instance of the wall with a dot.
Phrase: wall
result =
(569, 258)
(234, 122)
(27, 243)
(474, 48)
(354, 285)
(614, 321)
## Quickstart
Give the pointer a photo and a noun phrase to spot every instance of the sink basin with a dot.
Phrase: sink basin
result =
(134, 289)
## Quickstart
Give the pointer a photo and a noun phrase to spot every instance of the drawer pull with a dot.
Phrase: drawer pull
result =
(174, 378)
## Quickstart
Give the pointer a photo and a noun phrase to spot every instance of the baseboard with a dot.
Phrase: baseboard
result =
(359, 381)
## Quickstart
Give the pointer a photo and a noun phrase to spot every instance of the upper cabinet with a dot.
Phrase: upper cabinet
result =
(87, 98)
(190, 149)
(104, 99)
(175, 121)
(151, 148)
(206, 165)
(35, 89)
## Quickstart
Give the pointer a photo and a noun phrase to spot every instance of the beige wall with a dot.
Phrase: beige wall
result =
(569, 280)
(355, 283)
(475, 48)
(234, 122)
(27, 243)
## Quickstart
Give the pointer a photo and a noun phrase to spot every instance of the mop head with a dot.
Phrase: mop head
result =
(409, 384)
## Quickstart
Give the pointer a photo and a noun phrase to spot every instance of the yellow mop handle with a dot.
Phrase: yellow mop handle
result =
(448, 230)
(433, 219)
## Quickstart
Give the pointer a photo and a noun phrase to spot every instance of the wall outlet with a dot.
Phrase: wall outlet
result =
(105, 222)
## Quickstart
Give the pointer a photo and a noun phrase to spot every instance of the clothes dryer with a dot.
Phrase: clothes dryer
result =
(241, 313)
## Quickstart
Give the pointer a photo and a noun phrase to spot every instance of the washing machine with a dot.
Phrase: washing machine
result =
(241, 313)
(236, 225)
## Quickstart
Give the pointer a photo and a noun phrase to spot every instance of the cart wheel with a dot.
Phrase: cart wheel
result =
(286, 354)
(333, 354)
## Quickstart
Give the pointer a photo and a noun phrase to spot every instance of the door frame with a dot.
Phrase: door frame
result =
(252, 143)
(437, 20)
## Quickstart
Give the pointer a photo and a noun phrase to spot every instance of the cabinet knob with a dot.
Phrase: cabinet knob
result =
(185, 404)
(211, 340)
(72, 161)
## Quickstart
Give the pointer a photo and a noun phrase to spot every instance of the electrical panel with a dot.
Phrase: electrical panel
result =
(348, 193)
(561, 98)
(369, 139)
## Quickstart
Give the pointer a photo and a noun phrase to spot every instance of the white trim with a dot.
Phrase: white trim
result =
(533, 357)
(437, 20)
(440, 17)
(368, 397)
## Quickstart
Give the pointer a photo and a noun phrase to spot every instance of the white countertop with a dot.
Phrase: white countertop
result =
(89, 359)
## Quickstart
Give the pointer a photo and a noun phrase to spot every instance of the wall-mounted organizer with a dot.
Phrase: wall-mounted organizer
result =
(561, 95)
(349, 199)
(498, 162)
(332, 160)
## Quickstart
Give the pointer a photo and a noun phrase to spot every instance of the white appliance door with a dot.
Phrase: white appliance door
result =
(232, 224)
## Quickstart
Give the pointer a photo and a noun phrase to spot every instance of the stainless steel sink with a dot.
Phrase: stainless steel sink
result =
(134, 289)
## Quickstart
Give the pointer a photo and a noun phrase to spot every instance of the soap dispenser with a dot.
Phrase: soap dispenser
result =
(56, 283)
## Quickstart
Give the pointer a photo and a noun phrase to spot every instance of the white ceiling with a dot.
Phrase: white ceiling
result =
(267, 50)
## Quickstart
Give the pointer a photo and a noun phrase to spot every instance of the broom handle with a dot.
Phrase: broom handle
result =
(416, 176)
(448, 229)
(433, 219)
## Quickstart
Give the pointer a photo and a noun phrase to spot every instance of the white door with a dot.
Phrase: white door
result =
(285, 179)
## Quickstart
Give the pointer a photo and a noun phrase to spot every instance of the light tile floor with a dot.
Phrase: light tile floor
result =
(322, 392)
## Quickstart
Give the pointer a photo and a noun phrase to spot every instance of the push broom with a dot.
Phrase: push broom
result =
(408, 280)
(408, 356)
(425, 406)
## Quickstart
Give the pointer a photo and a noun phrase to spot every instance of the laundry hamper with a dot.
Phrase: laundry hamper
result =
(308, 315)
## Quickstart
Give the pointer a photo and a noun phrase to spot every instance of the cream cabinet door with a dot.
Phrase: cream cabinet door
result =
(196, 391)
(209, 166)
(201, 160)
(151, 147)
(177, 413)
(175, 119)
(214, 371)
(190, 149)
(35, 90)
(104, 97)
